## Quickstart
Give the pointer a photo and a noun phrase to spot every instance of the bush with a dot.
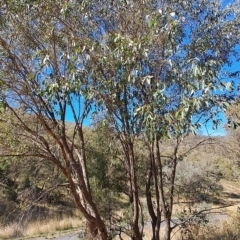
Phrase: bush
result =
(224, 231)
(197, 181)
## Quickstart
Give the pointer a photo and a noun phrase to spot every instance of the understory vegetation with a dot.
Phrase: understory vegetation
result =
(35, 200)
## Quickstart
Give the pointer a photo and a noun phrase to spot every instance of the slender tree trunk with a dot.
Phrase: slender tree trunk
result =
(168, 206)
(156, 182)
(149, 201)
(166, 210)
(152, 174)
(157, 227)
(167, 235)
(129, 182)
(136, 230)
(127, 145)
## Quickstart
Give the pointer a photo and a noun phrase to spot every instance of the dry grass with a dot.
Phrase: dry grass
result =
(223, 230)
(10, 231)
(53, 226)
(40, 228)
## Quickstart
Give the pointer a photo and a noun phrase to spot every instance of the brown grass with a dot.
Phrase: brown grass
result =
(10, 231)
(40, 228)
(225, 230)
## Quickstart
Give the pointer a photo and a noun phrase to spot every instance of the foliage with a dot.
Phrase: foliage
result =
(197, 181)
(233, 115)
(225, 231)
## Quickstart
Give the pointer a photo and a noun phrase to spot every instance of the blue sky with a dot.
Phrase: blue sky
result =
(207, 129)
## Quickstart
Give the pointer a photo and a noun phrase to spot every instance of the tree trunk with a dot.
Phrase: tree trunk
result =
(129, 184)
(155, 228)
(97, 230)
(76, 174)
(167, 235)
(152, 175)
(127, 145)
(134, 186)
(137, 234)
(150, 205)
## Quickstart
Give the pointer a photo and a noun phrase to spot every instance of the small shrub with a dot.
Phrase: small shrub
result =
(224, 231)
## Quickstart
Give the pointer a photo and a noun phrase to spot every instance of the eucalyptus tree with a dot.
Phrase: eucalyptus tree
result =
(158, 72)
(42, 76)
(153, 68)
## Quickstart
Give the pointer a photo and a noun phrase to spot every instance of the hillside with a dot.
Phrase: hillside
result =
(32, 190)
